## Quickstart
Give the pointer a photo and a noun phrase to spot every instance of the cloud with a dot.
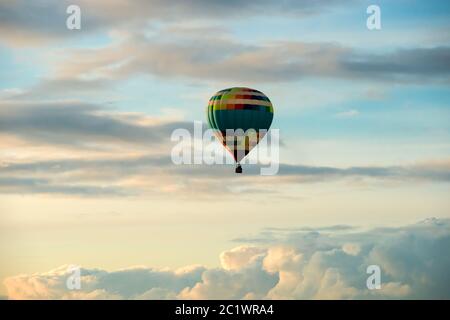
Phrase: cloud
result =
(300, 265)
(424, 171)
(238, 257)
(17, 185)
(83, 149)
(25, 23)
(351, 248)
(402, 63)
(222, 58)
(348, 114)
(75, 123)
(100, 284)
(120, 176)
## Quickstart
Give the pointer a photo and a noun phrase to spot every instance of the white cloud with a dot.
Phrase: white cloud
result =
(301, 264)
(241, 256)
(227, 59)
(347, 114)
(281, 258)
(352, 249)
(25, 23)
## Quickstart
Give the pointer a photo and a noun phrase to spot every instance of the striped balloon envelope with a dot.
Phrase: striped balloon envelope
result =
(240, 118)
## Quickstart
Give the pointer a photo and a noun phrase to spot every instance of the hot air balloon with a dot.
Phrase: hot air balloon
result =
(239, 108)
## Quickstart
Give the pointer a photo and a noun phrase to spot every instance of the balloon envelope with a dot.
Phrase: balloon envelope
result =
(240, 108)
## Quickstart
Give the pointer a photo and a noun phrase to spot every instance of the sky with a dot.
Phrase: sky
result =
(86, 176)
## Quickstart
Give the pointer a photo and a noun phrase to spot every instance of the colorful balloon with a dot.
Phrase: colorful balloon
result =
(239, 108)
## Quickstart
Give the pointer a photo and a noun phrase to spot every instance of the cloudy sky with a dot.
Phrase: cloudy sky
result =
(86, 176)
